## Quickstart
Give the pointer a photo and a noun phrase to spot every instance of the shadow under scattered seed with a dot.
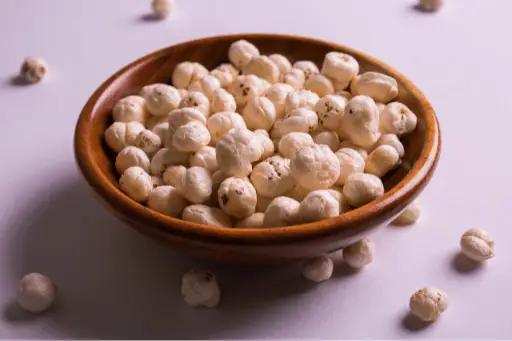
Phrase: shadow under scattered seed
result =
(19, 81)
(464, 265)
(149, 17)
(414, 324)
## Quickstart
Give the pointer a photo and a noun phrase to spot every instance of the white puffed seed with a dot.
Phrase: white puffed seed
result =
(220, 123)
(299, 120)
(318, 269)
(36, 293)
(263, 67)
(300, 99)
(391, 140)
(222, 100)
(266, 143)
(340, 67)
(119, 134)
(195, 185)
(131, 156)
(272, 177)
(255, 220)
(307, 66)
(318, 205)
(225, 73)
(282, 211)
(207, 215)
(428, 303)
(206, 85)
(329, 138)
(236, 151)
(277, 94)
(131, 108)
(241, 52)
(396, 118)
(283, 64)
(148, 141)
(173, 174)
(360, 121)
(191, 137)
(315, 167)
(157, 181)
(477, 244)
(319, 84)
(382, 88)
(410, 215)
(197, 100)
(167, 157)
(245, 88)
(360, 189)
(237, 197)
(186, 73)
(292, 142)
(359, 254)
(161, 129)
(166, 200)
(136, 183)
(200, 288)
(360, 150)
(330, 109)
(381, 160)
(259, 113)
(205, 157)
(162, 8)
(180, 117)
(350, 162)
(33, 69)
(295, 78)
(161, 99)
(431, 5)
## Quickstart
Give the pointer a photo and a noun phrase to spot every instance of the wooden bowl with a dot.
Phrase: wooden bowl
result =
(254, 246)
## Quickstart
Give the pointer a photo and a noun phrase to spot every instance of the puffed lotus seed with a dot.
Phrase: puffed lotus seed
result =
(166, 200)
(318, 205)
(295, 78)
(180, 117)
(255, 220)
(172, 174)
(431, 5)
(162, 8)
(283, 64)
(222, 100)
(360, 121)
(272, 177)
(300, 99)
(315, 167)
(259, 113)
(410, 215)
(33, 69)
(290, 143)
(282, 211)
(360, 150)
(318, 269)
(191, 137)
(236, 151)
(319, 84)
(197, 100)
(195, 185)
(161, 99)
(361, 188)
(131, 156)
(237, 197)
(340, 67)
(136, 183)
(351, 162)
(266, 143)
(428, 303)
(36, 293)
(148, 141)
(396, 118)
(382, 88)
(206, 85)
(330, 109)
(477, 244)
(299, 120)
(241, 52)
(167, 157)
(157, 181)
(131, 108)
(381, 160)
(207, 215)
(225, 73)
(220, 123)
(186, 73)
(391, 140)
(263, 67)
(359, 254)
(200, 288)
(161, 129)
(245, 88)
(307, 66)
(120, 134)
(205, 157)
(329, 138)
(277, 94)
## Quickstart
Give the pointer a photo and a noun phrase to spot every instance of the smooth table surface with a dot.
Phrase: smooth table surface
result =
(113, 283)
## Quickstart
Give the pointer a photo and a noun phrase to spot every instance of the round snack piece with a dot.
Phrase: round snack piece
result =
(361, 121)
(282, 211)
(410, 215)
(131, 108)
(225, 73)
(136, 183)
(292, 142)
(222, 100)
(148, 141)
(263, 67)
(360, 189)
(180, 117)
(162, 8)
(157, 181)
(330, 109)
(33, 69)
(237, 197)
(119, 134)
(161, 99)
(36, 293)
(277, 94)
(205, 157)
(300, 99)
(295, 78)
(191, 137)
(298, 120)
(241, 52)
(266, 143)
(383, 159)
(391, 140)
(351, 162)
(186, 73)
(428, 303)
(167, 157)
(378, 86)
(272, 177)
(283, 64)
(195, 185)
(166, 200)
(207, 215)
(307, 66)
(220, 123)
(254, 220)
(161, 129)
(319, 84)
(340, 67)
(360, 150)
(131, 156)
(477, 244)
(318, 269)
(172, 174)
(236, 151)
(359, 254)
(396, 118)
(329, 138)
(315, 167)
(200, 288)
(206, 85)
(259, 113)
(431, 5)
(245, 88)
(197, 100)
(318, 205)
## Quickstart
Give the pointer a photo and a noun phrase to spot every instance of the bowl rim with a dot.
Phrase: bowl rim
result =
(352, 220)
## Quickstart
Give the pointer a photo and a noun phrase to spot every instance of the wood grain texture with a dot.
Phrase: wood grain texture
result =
(254, 246)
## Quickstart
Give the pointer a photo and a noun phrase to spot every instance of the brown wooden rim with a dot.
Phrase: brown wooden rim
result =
(420, 172)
